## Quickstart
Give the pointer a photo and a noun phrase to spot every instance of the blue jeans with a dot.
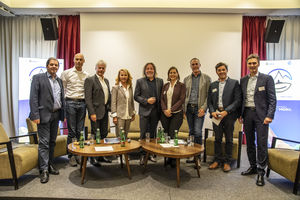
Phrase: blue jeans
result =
(75, 114)
(195, 123)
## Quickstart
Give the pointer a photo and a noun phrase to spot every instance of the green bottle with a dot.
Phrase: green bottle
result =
(81, 140)
(176, 138)
(98, 136)
(158, 135)
(162, 137)
(122, 137)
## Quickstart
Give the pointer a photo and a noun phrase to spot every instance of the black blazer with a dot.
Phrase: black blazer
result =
(94, 96)
(41, 98)
(264, 96)
(142, 93)
(231, 98)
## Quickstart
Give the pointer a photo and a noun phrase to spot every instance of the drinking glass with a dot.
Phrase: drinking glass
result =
(147, 137)
(74, 140)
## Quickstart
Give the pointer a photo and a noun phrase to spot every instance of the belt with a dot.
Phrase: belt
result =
(250, 108)
(76, 100)
(193, 105)
(57, 110)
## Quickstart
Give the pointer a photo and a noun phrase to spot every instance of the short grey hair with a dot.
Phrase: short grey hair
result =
(100, 62)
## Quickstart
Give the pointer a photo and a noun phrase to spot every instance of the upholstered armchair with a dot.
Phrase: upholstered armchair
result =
(285, 162)
(209, 143)
(16, 159)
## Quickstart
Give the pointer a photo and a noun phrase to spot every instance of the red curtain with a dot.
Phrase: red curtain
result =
(252, 42)
(69, 38)
(253, 39)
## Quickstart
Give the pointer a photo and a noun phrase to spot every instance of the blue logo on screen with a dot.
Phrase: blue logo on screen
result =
(282, 79)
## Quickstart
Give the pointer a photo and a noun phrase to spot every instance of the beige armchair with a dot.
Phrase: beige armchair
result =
(183, 132)
(285, 162)
(88, 129)
(16, 160)
(61, 140)
(209, 143)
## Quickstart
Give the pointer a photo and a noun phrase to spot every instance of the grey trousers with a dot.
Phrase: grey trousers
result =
(47, 140)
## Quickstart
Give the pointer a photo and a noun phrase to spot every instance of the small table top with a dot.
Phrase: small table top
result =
(182, 151)
(89, 150)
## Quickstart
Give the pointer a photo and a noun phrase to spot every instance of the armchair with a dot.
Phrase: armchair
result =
(15, 162)
(285, 162)
(209, 143)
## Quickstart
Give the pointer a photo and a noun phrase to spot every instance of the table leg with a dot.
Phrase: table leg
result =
(178, 171)
(197, 165)
(83, 169)
(145, 162)
(81, 163)
(121, 160)
(127, 163)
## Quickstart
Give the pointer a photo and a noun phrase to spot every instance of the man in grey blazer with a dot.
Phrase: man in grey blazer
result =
(258, 108)
(195, 105)
(147, 94)
(224, 100)
(97, 99)
(46, 109)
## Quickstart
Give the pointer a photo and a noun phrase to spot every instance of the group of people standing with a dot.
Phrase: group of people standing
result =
(53, 99)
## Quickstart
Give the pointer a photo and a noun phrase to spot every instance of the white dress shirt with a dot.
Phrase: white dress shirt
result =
(104, 87)
(250, 91)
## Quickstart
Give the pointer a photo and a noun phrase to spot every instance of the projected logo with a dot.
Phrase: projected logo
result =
(282, 79)
(37, 70)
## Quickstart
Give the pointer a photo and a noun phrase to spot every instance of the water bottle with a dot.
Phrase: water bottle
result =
(176, 138)
(98, 136)
(122, 136)
(81, 140)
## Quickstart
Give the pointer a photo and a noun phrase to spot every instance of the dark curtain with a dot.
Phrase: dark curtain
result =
(253, 39)
(252, 42)
(69, 38)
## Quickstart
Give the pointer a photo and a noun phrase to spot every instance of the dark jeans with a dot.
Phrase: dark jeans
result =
(47, 140)
(75, 114)
(252, 124)
(226, 126)
(102, 124)
(195, 123)
(149, 123)
(172, 123)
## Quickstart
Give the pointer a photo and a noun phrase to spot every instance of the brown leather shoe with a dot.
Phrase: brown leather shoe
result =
(226, 167)
(214, 165)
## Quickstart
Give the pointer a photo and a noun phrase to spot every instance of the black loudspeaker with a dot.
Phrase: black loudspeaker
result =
(49, 28)
(273, 31)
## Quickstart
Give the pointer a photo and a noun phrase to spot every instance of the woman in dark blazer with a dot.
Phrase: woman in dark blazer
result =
(172, 102)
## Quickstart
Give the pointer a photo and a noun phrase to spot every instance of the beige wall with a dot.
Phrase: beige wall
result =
(131, 40)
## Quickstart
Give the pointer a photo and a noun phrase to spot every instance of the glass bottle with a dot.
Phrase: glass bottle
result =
(81, 140)
(176, 138)
(122, 137)
(98, 136)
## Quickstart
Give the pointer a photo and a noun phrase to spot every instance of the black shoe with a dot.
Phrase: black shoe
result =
(52, 170)
(44, 176)
(192, 160)
(142, 160)
(250, 171)
(94, 162)
(260, 180)
(104, 159)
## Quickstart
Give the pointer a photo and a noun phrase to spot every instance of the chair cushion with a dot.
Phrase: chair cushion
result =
(61, 146)
(3, 136)
(134, 135)
(210, 150)
(26, 158)
(135, 125)
(284, 162)
(184, 127)
(183, 135)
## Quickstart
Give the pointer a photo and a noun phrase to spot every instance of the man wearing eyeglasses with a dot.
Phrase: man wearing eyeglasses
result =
(197, 85)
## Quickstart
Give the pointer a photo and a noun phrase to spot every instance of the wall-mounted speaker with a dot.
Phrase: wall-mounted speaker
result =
(49, 28)
(273, 31)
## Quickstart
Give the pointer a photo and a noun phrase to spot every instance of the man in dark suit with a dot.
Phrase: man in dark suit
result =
(97, 99)
(46, 109)
(147, 94)
(258, 108)
(224, 99)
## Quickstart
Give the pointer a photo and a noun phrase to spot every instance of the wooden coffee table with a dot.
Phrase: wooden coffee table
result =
(172, 152)
(89, 151)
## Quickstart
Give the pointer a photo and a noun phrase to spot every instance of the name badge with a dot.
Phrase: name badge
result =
(214, 90)
(262, 88)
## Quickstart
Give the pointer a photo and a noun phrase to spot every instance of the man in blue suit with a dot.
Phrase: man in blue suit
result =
(224, 100)
(46, 109)
(258, 108)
